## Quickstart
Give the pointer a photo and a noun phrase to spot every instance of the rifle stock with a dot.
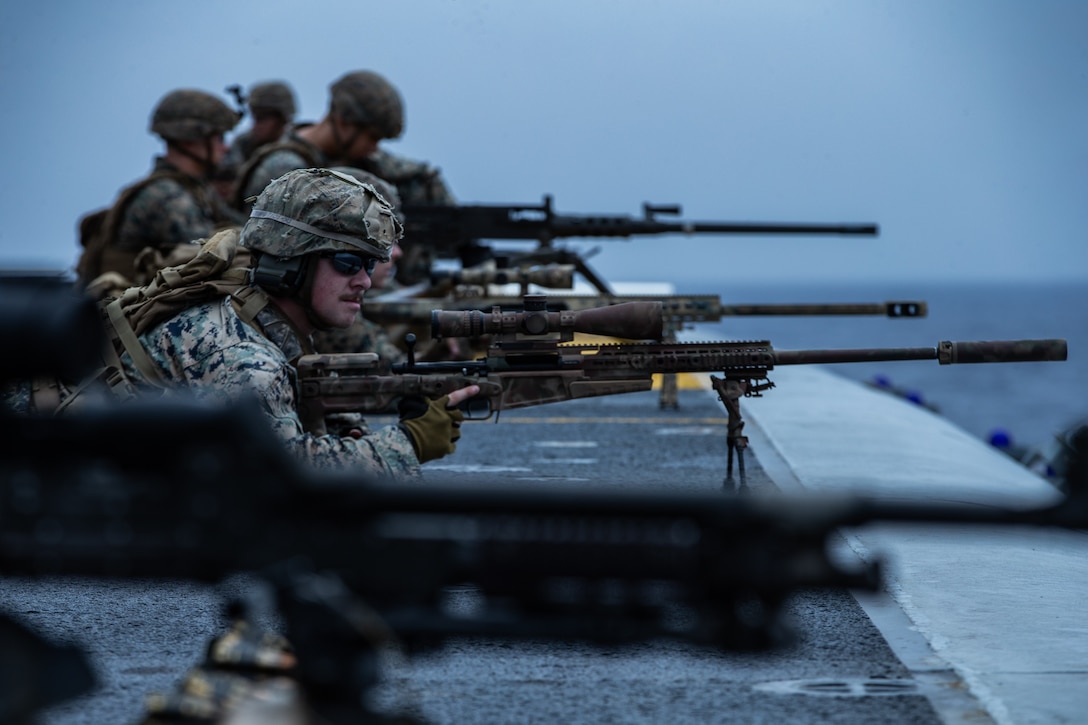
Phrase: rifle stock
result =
(346, 383)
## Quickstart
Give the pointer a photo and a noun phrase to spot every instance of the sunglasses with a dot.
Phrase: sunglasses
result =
(349, 263)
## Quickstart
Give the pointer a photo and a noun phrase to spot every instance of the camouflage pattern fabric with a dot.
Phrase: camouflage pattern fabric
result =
(416, 181)
(211, 351)
(241, 148)
(42, 396)
(15, 397)
(166, 213)
(212, 695)
(336, 211)
(165, 210)
(362, 336)
(273, 161)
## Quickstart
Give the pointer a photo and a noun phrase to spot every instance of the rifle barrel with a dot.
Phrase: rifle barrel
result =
(869, 230)
(624, 227)
(947, 353)
(889, 309)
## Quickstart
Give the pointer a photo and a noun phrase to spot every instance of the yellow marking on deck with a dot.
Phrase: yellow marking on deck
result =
(686, 381)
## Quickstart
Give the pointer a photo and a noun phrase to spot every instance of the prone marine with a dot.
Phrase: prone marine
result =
(225, 332)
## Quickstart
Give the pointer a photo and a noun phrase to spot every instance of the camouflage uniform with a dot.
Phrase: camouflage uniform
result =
(367, 100)
(273, 161)
(363, 336)
(211, 351)
(416, 181)
(166, 212)
(241, 148)
(272, 97)
(168, 208)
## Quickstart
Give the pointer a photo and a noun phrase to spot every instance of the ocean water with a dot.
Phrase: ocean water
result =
(1032, 402)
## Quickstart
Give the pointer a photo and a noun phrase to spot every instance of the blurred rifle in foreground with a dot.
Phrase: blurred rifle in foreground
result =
(455, 232)
(180, 490)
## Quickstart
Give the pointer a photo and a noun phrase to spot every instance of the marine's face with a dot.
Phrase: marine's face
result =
(383, 270)
(210, 149)
(267, 126)
(364, 144)
(336, 296)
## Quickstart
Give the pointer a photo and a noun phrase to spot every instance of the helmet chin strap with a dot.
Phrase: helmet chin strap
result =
(205, 162)
(343, 146)
(304, 294)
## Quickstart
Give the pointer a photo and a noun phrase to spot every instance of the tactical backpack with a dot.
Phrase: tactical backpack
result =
(218, 270)
(98, 230)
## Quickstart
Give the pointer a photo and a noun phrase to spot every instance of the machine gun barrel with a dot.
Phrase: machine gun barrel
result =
(451, 227)
(458, 232)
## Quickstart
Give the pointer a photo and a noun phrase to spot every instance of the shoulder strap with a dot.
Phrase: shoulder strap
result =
(245, 174)
(98, 230)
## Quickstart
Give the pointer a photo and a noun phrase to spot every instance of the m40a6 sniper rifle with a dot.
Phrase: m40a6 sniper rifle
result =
(455, 232)
(532, 360)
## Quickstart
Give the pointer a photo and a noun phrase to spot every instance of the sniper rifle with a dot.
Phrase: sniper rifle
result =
(678, 311)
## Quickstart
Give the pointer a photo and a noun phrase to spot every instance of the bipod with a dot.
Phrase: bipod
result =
(670, 396)
(730, 390)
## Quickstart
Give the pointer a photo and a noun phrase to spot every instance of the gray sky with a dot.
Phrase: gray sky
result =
(959, 127)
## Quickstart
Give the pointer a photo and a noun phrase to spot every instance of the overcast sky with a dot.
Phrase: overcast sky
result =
(960, 127)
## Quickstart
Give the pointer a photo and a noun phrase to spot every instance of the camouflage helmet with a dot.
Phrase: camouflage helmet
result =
(386, 190)
(366, 99)
(320, 210)
(191, 115)
(272, 96)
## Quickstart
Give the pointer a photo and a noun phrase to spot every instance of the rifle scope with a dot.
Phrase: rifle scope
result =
(629, 320)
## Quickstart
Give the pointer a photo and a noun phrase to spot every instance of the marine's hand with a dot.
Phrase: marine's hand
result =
(434, 426)
(459, 396)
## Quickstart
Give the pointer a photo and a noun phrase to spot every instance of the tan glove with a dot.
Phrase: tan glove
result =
(433, 428)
